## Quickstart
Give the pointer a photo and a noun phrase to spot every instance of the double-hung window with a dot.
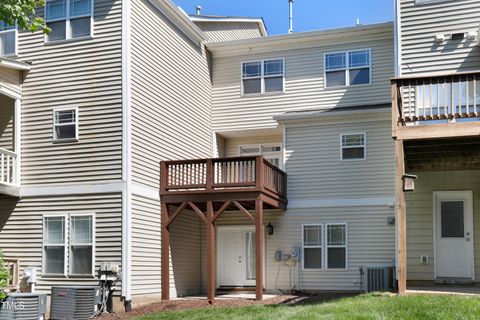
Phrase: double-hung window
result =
(68, 245)
(347, 68)
(65, 124)
(271, 152)
(8, 39)
(69, 19)
(263, 76)
(353, 146)
(325, 246)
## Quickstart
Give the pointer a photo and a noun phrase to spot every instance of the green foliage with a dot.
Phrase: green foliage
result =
(24, 12)
(4, 275)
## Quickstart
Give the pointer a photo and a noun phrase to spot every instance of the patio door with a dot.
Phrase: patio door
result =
(236, 256)
(454, 255)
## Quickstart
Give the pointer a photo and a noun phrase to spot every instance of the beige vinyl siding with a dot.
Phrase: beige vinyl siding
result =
(11, 80)
(228, 30)
(21, 236)
(6, 122)
(146, 250)
(313, 159)
(421, 23)
(370, 242)
(420, 218)
(171, 94)
(232, 145)
(304, 82)
(84, 74)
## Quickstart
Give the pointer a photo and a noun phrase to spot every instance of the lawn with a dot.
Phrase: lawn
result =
(368, 306)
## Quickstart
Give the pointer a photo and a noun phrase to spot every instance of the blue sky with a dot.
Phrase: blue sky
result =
(308, 14)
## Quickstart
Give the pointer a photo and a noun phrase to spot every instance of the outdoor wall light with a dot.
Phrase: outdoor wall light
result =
(269, 229)
(408, 182)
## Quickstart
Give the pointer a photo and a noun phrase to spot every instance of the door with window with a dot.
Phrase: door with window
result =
(271, 152)
(236, 256)
(454, 255)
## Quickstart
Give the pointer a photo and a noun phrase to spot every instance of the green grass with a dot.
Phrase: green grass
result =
(369, 306)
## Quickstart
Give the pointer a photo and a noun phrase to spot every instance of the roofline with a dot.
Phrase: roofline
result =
(180, 19)
(299, 36)
(308, 115)
(259, 21)
(14, 64)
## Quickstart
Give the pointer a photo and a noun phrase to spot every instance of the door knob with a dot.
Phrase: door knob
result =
(468, 238)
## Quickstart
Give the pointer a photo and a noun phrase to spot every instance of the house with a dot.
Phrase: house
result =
(199, 154)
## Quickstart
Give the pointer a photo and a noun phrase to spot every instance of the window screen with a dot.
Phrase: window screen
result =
(452, 213)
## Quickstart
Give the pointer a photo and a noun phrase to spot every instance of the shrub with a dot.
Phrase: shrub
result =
(4, 276)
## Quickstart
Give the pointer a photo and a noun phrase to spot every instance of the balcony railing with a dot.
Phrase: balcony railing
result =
(8, 167)
(222, 174)
(441, 97)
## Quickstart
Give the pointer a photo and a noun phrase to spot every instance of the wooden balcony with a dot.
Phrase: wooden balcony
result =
(440, 106)
(240, 179)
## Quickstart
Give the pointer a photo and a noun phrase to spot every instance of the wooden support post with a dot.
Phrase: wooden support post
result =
(165, 236)
(259, 245)
(211, 272)
(401, 219)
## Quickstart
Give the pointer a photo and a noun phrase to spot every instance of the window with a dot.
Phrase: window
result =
(263, 76)
(69, 19)
(336, 246)
(347, 68)
(312, 246)
(272, 153)
(77, 253)
(353, 146)
(65, 125)
(8, 39)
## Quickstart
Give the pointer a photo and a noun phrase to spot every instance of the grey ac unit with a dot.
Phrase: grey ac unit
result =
(378, 278)
(24, 306)
(74, 303)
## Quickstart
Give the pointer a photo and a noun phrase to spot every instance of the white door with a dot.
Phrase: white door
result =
(236, 253)
(454, 234)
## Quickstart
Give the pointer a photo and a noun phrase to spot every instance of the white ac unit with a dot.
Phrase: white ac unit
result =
(23, 306)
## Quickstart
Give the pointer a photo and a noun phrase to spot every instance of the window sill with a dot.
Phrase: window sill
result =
(71, 276)
(10, 56)
(65, 141)
(55, 42)
(348, 87)
(266, 94)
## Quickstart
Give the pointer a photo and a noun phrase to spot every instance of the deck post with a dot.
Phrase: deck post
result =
(259, 248)
(401, 219)
(165, 236)
(211, 272)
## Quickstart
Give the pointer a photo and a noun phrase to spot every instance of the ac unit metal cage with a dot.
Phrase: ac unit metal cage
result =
(378, 278)
(75, 303)
(24, 306)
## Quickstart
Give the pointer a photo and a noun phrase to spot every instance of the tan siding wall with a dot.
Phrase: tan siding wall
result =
(84, 74)
(6, 122)
(11, 79)
(421, 23)
(225, 31)
(21, 232)
(232, 145)
(420, 218)
(313, 159)
(171, 94)
(304, 83)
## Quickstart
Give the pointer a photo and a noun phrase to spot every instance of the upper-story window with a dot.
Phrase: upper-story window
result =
(65, 125)
(347, 68)
(69, 19)
(8, 39)
(263, 76)
(353, 146)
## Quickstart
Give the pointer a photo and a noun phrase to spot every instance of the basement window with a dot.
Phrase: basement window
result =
(65, 125)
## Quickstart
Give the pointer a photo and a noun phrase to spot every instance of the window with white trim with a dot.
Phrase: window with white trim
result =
(263, 76)
(353, 146)
(347, 68)
(336, 246)
(65, 125)
(8, 39)
(69, 19)
(68, 244)
(313, 246)
(271, 152)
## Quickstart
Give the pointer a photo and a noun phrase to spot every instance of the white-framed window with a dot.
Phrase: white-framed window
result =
(353, 146)
(8, 39)
(312, 246)
(271, 152)
(263, 76)
(325, 246)
(68, 244)
(348, 68)
(65, 124)
(336, 245)
(69, 19)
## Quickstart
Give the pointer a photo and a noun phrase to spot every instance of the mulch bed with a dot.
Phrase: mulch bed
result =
(185, 304)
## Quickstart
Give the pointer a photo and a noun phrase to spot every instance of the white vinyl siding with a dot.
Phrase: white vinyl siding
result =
(353, 146)
(65, 125)
(8, 39)
(348, 68)
(69, 19)
(263, 76)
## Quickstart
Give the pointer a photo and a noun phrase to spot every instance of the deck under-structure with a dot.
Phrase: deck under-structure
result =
(210, 187)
